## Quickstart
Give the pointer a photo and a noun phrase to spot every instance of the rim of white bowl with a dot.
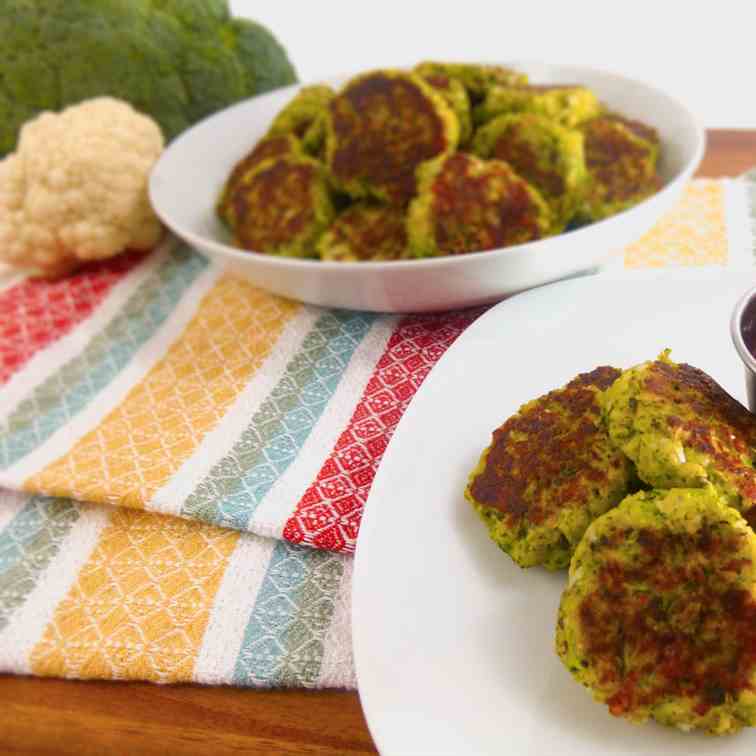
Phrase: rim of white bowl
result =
(304, 264)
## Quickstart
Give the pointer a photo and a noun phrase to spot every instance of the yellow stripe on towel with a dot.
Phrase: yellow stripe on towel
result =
(145, 440)
(141, 603)
(694, 232)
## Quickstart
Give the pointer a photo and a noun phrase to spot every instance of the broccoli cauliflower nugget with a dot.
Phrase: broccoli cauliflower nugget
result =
(455, 94)
(659, 616)
(640, 129)
(465, 204)
(265, 149)
(365, 232)
(380, 127)
(476, 78)
(282, 207)
(564, 103)
(682, 429)
(549, 471)
(621, 159)
(304, 117)
(544, 153)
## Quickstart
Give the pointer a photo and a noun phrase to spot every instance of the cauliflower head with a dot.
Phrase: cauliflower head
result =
(76, 187)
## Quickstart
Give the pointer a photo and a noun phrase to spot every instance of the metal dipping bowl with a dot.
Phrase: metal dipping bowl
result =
(743, 332)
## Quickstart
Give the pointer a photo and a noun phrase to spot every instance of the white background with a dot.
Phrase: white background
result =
(702, 52)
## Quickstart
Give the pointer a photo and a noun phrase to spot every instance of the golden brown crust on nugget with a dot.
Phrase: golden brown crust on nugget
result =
(549, 471)
(681, 428)
(380, 127)
(659, 618)
(365, 232)
(465, 204)
(265, 149)
(621, 163)
(282, 207)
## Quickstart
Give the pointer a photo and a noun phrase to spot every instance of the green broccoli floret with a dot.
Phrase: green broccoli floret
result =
(176, 60)
(262, 56)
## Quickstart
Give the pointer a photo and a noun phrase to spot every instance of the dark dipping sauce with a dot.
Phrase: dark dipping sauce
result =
(748, 326)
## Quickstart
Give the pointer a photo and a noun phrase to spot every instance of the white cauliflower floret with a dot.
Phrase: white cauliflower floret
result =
(76, 187)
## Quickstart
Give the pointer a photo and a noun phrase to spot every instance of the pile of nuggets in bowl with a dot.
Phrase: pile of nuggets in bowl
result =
(442, 159)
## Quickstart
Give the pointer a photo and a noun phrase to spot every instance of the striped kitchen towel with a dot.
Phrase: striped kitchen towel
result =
(216, 434)
(160, 383)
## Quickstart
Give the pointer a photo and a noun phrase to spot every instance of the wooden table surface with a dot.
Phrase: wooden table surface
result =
(40, 716)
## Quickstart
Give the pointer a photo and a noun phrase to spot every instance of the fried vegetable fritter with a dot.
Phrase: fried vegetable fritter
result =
(455, 94)
(621, 158)
(466, 204)
(473, 155)
(542, 152)
(682, 429)
(282, 207)
(265, 149)
(659, 617)
(640, 129)
(477, 78)
(566, 104)
(304, 117)
(380, 127)
(365, 231)
(549, 472)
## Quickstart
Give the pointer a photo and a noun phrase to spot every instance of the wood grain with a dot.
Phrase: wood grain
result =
(67, 717)
(75, 717)
(729, 152)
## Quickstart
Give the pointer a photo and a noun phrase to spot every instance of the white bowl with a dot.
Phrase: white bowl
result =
(188, 178)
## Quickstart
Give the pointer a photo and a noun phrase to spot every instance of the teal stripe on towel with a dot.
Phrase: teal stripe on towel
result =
(285, 636)
(233, 489)
(27, 544)
(70, 389)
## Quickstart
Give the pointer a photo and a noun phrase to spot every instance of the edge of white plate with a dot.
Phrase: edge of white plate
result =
(371, 514)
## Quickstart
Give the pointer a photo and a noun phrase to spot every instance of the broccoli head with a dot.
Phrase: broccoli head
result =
(176, 60)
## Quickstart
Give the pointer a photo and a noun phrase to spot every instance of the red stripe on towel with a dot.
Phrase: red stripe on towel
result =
(328, 515)
(37, 312)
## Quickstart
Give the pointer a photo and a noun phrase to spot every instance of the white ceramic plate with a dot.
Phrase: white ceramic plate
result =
(189, 176)
(454, 644)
